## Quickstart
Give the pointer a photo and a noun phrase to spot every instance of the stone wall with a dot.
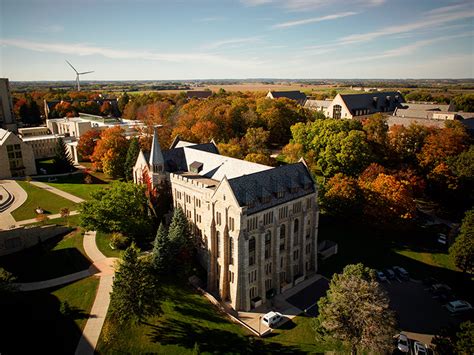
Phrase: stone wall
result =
(14, 240)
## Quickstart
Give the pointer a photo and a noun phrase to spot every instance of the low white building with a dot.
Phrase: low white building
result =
(16, 157)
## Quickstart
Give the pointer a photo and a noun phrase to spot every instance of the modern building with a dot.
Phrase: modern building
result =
(43, 146)
(297, 96)
(256, 226)
(7, 118)
(360, 105)
(33, 131)
(16, 157)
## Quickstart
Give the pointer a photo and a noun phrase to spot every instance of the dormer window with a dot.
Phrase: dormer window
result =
(294, 189)
(266, 199)
(281, 194)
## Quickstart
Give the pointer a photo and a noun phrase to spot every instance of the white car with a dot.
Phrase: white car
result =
(458, 306)
(403, 345)
(442, 239)
(419, 348)
(271, 319)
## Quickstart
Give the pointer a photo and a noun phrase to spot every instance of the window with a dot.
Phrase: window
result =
(252, 223)
(282, 236)
(218, 218)
(15, 159)
(253, 292)
(308, 203)
(268, 243)
(296, 255)
(281, 194)
(188, 199)
(308, 248)
(251, 251)
(178, 195)
(297, 207)
(268, 269)
(188, 214)
(218, 242)
(268, 218)
(296, 227)
(336, 111)
(198, 203)
(281, 263)
(231, 251)
(283, 212)
(282, 277)
(231, 224)
(268, 284)
(198, 218)
(252, 276)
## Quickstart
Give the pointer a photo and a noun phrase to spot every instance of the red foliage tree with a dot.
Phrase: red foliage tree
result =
(87, 143)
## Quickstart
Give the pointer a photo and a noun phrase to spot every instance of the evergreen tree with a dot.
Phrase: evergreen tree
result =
(132, 155)
(134, 293)
(62, 159)
(162, 251)
(180, 239)
(462, 251)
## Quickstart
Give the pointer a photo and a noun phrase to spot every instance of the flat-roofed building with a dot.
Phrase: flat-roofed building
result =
(43, 146)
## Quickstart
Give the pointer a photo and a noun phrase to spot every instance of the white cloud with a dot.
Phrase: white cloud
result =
(232, 42)
(314, 19)
(86, 50)
(51, 29)
(211, 19)
(304, 5)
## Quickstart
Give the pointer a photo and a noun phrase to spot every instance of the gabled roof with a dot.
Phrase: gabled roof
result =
(292, 95)
(314, 104)
(373, 101)
(202, 94)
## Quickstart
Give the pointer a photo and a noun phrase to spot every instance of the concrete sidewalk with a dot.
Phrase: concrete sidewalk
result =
(20, 196)
(56, 191)
(50, 216)
(40, 285)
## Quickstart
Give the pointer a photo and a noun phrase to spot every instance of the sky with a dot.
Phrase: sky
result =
(236, 39)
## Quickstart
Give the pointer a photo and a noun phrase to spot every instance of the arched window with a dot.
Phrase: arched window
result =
(218, 242)
(231, 251)
(336, 111)
(282, 237)
(251, 251)
(268, 243)
(296, 228)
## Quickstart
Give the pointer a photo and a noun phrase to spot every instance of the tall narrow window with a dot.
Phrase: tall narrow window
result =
(251, 251)
(218, 242)
(231, 251)
(282, 237)
(268, 242)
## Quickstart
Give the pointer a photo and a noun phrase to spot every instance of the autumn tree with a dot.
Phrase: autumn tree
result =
(233, 148)
(376, 128)
(87, 143)
(205, 131)
(256, 140)
(462, 251)
(260, 158)
(293, 152)
(110, 152)
(405, 143)
(342, 196)
(106, 108)
(356, 310)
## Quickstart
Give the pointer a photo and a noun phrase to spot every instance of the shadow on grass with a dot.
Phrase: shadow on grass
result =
(32, 321)
(184, 334)
(41, 262)
(206, 314)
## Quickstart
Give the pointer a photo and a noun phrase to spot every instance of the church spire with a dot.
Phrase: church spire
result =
(157, 161)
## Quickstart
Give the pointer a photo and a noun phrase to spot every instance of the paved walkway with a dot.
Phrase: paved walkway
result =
(40, 285)
(50, 216)
(91, 332)
(20, 196)
(56, 191)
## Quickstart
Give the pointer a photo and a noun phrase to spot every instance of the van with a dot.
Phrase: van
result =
(271, 319)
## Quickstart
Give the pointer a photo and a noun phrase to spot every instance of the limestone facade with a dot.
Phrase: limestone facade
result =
(16, 157)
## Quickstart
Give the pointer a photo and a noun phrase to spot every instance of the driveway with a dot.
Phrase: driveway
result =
(307, 298)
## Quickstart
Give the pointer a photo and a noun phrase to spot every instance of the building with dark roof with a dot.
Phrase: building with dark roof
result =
(256, 226)
(198, 94)
(359, 105)
(297, 96)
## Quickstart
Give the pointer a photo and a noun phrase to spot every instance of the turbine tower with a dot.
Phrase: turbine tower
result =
(77, 75)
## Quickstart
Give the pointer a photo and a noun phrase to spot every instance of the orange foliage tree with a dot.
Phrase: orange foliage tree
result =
(87, 143)
(110, 152)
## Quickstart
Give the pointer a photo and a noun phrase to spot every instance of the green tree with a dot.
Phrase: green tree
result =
(130, 160)
(122, 208)
(256, 140)
(462, 251)
(455, 340)
(62, 159)
(356, 310)
(162, 252)
(123, 101)
(180, 240)
(134, 292)
(6, 280)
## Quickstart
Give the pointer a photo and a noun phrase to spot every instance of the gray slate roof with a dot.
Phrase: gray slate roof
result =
(293, 179)
(292, 95)
(203, 94)
(317, 104)
(374, 101)
(426, 106)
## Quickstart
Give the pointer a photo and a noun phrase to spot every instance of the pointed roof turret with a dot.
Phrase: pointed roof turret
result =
(156, 156)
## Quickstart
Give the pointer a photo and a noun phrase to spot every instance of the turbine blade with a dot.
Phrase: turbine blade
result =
(86, 72)
(72, 67)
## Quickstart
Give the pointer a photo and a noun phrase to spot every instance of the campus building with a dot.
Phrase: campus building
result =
(7, 118)
(297, 96)
(256, 226)
(16, 157)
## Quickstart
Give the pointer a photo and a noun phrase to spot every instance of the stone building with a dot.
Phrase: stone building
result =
(256, 226)
(16, 157)
(7, 118)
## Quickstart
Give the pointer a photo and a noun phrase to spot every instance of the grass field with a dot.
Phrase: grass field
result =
(53, 258)
(35, 322)
(103, 240)
(49, 202)
(74, 184)
(188, 318)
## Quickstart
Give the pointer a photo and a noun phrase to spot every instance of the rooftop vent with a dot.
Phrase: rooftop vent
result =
(195, 167)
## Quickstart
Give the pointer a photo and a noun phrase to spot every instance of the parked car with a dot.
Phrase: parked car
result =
(419, 348)
(380, 276)
(389, 273)
(401, 272)
(458, 306)
(271, 319)
(430, 281)
(442, 239)
(403, 344)
(439, 288)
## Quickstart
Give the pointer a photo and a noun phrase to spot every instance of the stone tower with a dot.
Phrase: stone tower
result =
(156, 162)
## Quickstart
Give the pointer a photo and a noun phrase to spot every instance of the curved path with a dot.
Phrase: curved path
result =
(20, 196)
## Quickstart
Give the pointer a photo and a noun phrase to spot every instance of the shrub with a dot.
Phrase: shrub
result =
(119, 241)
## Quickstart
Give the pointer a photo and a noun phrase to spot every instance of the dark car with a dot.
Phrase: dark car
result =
(430, 281)
(389, 273)
(401, 272)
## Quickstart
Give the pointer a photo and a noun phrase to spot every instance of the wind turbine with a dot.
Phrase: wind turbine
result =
(77, 75)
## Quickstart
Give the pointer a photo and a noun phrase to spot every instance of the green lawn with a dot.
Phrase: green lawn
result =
(188, 318)
(74, 184)
(49, 202)
(103, 240)
(36, 323)
(53, 258)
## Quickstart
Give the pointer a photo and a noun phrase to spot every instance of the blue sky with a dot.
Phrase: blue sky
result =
(212, 39)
